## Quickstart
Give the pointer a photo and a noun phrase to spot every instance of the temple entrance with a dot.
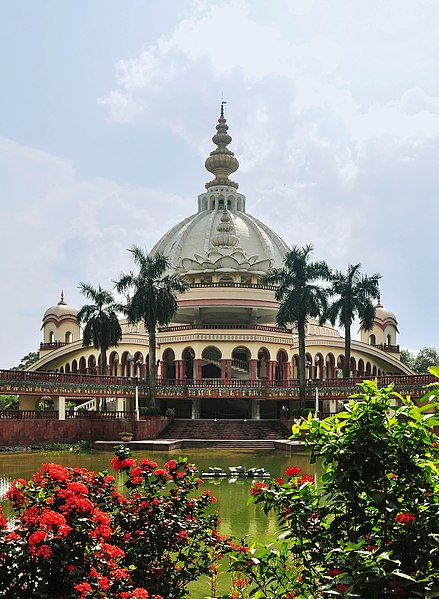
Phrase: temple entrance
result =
(225, 408)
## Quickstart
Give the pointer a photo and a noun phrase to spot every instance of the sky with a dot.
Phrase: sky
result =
(107, 110)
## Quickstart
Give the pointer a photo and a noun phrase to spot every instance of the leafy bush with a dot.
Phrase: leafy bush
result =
(75, 536)
(371, 529)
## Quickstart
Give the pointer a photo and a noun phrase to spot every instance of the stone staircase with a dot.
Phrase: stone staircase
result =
(257, 434)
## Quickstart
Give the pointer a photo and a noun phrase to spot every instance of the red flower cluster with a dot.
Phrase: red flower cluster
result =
(258, 488)
(75, 535)
(405, 518)
(292, 471)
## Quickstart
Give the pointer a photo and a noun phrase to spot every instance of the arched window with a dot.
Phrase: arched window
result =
(188, 363)
(211, 368)
(240, 359)
(91, 365)
(372, 340)
(263, 360)
(168, 360)
(51, 337)
(281, 366)
(74, 366)
(330, 366)
(68, 337)
(82, 365)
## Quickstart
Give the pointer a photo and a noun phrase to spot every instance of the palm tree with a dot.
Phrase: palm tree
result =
(102, 328)
(154, 300)
(301, 296)
(354, 297)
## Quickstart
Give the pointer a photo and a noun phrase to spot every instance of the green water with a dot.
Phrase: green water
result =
(237, 519)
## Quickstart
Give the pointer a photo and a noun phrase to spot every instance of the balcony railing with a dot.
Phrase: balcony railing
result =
(386, 347)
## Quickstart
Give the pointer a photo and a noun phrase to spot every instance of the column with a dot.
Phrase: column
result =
(224, 369)
(272, 370)
(61, 408)
(255, 409)
(253, 369)
(195, 408)
(197, 367)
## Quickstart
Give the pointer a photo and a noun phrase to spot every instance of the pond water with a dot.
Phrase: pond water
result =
(237, 519)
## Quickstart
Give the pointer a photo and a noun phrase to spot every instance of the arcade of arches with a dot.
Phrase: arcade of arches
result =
(212, 365)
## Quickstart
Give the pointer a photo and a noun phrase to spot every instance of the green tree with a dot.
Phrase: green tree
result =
(407, 358)
(102, 328)
(301, 295)
(8, 402)
(154, 300)
(426, 357)
(370, 529)
(354, 294)
(27, 361)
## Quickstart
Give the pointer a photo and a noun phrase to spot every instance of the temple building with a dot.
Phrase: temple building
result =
(225, 326)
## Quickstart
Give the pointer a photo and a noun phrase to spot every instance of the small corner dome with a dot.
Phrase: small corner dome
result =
(384, 314)
(60, 310)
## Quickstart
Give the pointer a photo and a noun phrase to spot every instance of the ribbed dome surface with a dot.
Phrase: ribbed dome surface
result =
(200, 244)
(222, 237)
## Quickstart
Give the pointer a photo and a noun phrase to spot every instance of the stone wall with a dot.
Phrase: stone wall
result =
(34, 432)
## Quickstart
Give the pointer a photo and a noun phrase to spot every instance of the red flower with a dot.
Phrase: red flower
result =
(405, 518)
(83, 588)
(292, 471)
(335, 572)
(140, 594)
(342, 588)
(171, 465)
(125, 464)
(306, 478)
(160, 472)
(257, 488)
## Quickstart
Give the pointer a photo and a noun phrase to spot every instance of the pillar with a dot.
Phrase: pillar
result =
(272, 370)
(61, 408)
(255, 409)
(197, 367)
(195, 408)
(179, 370)
(253, 369)
(120, 404)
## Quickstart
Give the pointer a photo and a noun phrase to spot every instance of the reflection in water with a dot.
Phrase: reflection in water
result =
(236, 518)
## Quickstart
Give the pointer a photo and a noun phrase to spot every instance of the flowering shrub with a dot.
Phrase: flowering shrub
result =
(371, 527)
(75, 536)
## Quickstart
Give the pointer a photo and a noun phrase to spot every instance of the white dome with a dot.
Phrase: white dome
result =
(60, 310)
(222, 240)
(221, 237)
(383, 315)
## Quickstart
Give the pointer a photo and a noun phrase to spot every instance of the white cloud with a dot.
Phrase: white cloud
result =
(59, 230)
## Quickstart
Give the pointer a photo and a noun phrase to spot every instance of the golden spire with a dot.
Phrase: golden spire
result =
(222, 161)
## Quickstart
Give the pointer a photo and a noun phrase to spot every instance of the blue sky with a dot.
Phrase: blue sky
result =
(107, 111)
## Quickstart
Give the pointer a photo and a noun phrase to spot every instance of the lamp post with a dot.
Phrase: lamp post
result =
(131, 359)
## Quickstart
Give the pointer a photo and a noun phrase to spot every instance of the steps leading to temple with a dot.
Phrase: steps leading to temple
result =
(230, 433)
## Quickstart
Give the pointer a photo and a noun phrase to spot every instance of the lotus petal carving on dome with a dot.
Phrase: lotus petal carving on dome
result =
(237, 261)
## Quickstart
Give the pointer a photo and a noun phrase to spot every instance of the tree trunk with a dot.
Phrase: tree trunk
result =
(302, 358)
(152, 364)
(103, 361)
(104, 372)
(347, 351)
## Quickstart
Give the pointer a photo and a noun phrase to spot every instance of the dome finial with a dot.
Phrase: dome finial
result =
(222, 108)
(222, 161)
(62, 302)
